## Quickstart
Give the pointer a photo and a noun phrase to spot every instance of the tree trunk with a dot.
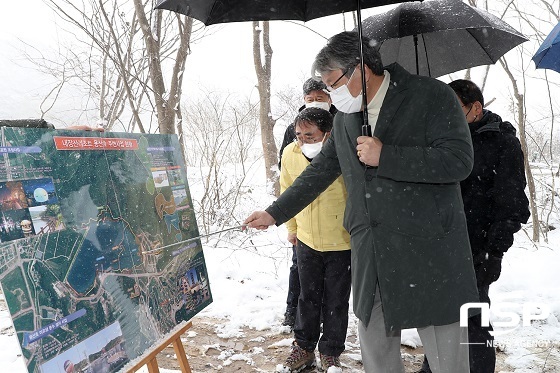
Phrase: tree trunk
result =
(520, 103)
(129, 52)
(265, 117)
(166, 102)
(185, 32)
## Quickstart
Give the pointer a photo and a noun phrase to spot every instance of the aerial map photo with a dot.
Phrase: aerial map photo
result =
(97, 256)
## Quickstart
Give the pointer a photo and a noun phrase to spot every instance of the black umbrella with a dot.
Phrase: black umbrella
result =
(211, 12)
(438, 37)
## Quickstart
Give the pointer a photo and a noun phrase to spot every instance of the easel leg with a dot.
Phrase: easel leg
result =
(181, 355)
(175, 339)
(153, 366)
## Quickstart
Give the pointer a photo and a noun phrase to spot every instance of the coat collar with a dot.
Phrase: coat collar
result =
(391, 104)
(393, 99)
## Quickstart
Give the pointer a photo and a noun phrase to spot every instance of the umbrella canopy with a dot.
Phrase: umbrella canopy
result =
(548, 55)
(211, 12)
(438, 37)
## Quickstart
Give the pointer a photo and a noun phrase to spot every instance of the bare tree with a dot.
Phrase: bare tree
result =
(221, 134)
(529, 15)
(262, 49)
(126, 51)
(167, 103)
(519, 98)
(287, 102)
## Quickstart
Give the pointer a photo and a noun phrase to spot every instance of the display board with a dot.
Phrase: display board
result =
(91, 261)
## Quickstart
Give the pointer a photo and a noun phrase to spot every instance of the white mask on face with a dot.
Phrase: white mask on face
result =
(311, 150)
(318, 104)
(344, 101)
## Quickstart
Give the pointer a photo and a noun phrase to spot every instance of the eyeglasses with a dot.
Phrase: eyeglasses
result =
(310, 138)
(331, 87)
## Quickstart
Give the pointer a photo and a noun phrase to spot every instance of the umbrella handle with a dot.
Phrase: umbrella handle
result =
(366, 127)
(415, 37)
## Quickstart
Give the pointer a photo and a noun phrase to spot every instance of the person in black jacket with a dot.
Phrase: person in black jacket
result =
(314, 95)
(495, 207)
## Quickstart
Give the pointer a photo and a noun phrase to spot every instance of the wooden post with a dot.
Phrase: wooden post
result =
(175, 339)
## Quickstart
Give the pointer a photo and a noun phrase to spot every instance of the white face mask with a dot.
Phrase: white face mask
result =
(318, 104)
(344, 101)
(311, 150)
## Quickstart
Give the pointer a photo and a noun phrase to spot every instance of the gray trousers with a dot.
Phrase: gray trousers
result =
(446, 345)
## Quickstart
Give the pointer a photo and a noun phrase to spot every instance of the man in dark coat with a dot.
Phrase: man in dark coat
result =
(411, 260)
(314, 95)
(495, 207)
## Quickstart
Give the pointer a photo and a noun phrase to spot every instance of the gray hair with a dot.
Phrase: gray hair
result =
(343, 52)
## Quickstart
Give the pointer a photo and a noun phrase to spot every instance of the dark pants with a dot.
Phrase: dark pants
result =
(482, 358)
(293, 285)
(325, 281)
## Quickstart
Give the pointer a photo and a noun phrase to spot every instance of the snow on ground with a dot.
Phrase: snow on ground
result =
(530, 282)
(250, 287)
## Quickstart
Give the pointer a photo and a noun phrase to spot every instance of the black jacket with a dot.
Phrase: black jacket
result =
(290, 134)
(494, 193)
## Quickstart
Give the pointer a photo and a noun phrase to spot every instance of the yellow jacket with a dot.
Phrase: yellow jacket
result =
(319, 225)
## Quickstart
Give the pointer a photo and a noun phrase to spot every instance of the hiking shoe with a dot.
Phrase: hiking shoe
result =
(298, 360)
(330, 364)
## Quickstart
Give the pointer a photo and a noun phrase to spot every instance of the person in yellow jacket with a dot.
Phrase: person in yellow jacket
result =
(323, 252)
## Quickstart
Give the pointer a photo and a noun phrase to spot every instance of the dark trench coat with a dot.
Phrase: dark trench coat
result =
(406, 219)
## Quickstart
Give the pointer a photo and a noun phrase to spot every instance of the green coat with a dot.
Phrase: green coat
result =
(405, 217)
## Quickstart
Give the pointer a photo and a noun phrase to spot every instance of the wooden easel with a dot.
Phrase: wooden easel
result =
(175, 339)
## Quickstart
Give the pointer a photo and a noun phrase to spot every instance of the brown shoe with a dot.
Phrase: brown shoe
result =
(328, 361)
(298, 360)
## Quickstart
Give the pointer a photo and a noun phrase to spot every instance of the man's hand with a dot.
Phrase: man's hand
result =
(487, 268)
(83, 127)
(292, 238)
(369, 150)
(259, 220)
